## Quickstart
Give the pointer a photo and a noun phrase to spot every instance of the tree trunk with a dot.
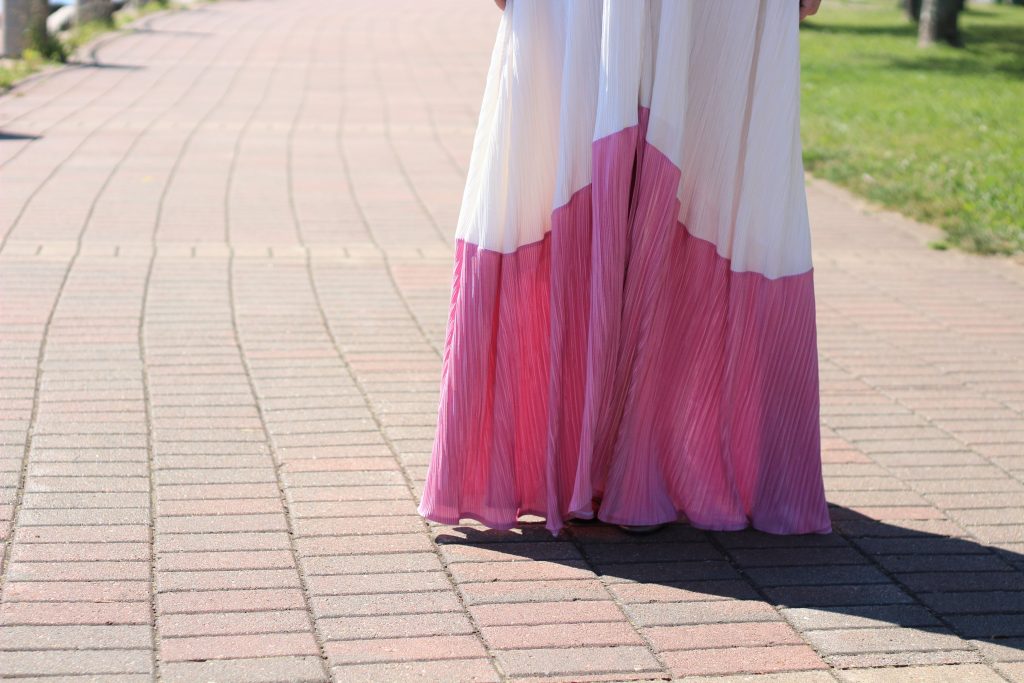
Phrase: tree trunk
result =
(912, 8)
(38, 10)
(928, 23)
(94, 10)
(39, 37)
(15, 23)
(938, 21)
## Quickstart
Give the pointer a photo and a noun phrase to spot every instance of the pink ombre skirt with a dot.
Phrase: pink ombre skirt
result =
(632, 326)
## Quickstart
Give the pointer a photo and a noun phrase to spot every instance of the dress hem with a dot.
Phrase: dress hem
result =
(748, 525)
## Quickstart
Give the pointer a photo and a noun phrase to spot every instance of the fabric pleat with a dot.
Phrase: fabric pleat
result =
(632, 330)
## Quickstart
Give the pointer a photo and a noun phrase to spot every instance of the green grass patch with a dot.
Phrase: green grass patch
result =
(936, 133)
(57, 49)
(13, 70)
(81, 34)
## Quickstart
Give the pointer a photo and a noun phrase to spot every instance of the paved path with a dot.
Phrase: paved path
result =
(223, 285)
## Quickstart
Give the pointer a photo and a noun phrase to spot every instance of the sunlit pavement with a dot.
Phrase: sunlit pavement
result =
(224, 279)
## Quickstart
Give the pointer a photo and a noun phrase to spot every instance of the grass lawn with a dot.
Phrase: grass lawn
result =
(14, 70)
(935, 133)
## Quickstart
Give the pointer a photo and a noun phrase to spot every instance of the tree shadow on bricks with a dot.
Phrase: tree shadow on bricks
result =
(847, 592)
(6, 135)
(88, 64)
(171, 32)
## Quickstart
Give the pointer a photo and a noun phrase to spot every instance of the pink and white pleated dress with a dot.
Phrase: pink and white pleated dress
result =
(632, 327)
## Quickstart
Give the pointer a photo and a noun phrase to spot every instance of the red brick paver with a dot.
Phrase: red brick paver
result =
(225, 254)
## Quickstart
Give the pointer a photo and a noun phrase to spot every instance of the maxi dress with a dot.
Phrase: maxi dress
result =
(631, 332)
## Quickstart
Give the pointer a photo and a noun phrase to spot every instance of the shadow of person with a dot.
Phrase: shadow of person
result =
(924, 576)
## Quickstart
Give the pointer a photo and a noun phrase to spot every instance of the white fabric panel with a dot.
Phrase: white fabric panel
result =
(579, 95)
(721, 79)
(737, 140)
(771, 232)
(650, 51)
(511, 180)
(623, 30)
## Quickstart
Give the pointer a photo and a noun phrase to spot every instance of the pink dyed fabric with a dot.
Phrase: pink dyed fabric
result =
(621, 360)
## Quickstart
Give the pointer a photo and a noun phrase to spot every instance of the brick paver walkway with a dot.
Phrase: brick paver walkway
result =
(223, 285)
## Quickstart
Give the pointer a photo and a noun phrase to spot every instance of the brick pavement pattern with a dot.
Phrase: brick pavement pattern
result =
(224, 273)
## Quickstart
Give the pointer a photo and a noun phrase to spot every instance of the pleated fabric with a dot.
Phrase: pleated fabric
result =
(632, 331)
